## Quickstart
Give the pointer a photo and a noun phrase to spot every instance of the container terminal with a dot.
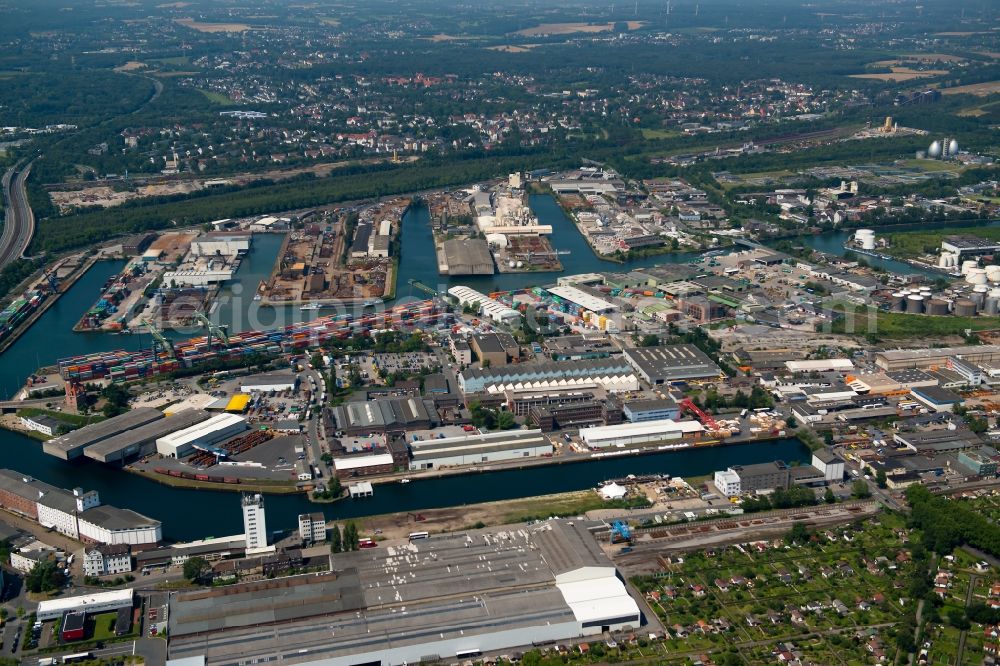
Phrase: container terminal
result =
(165, 357)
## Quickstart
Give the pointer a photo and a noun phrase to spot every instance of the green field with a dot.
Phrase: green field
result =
(76, 420)
(934, 166)
(217, 97)
(910, 244)
(895, 325)
(658, 134)
(176, 60)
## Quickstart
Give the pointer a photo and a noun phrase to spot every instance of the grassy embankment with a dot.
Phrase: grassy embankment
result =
(894, 325)
(912, 244)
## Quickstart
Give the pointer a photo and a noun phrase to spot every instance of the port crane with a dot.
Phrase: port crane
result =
(620, 532)
(50, 278)
(158, 338)
(218, 331)
(687, 405)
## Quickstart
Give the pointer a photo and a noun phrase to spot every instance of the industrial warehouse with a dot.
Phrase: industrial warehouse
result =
(519, 586)
(141, 441)
(179, 443)
(484, 305)
(644, 432)
(672, 363)
(477, 449)
(77, 514)
(385, 415)
(613, 374)
(72, 445)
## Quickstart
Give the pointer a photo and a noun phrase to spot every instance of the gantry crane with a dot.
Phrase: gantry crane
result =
(158, 337)
(218, 331)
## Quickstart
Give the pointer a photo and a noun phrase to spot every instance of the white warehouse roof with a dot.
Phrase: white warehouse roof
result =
(595, 594)
(823, 365)
(583, 299)
(488, 307)
(52, 608)
(358, 462)
(639, 429)
(197, 432)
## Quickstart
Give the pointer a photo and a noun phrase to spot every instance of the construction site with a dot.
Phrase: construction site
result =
(339, 256)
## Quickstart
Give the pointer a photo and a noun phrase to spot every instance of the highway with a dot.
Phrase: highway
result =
(19, 222)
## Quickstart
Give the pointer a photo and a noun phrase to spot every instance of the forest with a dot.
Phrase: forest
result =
(947, 523)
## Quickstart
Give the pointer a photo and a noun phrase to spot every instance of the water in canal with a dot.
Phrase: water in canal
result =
(832, 243)
(188, 514)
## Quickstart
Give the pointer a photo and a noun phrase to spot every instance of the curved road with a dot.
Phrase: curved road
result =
(19, 223)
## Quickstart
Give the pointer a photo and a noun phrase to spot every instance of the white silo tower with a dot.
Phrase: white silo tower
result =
(976, 276)
(934, 152)
(865, 238)
(952, 148)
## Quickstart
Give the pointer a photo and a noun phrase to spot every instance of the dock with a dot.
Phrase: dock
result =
(363, 489)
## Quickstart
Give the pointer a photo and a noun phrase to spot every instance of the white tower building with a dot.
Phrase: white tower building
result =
(254, 524)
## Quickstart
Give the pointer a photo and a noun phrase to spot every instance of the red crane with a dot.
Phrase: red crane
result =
(687, 405)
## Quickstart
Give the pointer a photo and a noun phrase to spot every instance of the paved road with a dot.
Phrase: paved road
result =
(314, 450)
(19, 223)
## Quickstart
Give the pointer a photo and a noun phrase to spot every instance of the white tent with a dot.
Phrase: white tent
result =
(613, 491)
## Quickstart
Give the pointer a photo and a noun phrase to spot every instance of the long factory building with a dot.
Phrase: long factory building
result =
(666, 364)
(73, 444)
(900, 359)
(612, 374)
(488, 307)
(76, 514)
(141, 441)
(644, 432)
(518, 586)
(181, 442)
(478, 449)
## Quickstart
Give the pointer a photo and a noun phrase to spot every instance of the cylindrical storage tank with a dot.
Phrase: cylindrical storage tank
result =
(936, 306)
(991, 307)
(993, 273)
(865, 238)
(964, 307)
(915, 304)
(925, 292)
(968, 265)
(943, 260)
(898, 302)
(976, 276)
